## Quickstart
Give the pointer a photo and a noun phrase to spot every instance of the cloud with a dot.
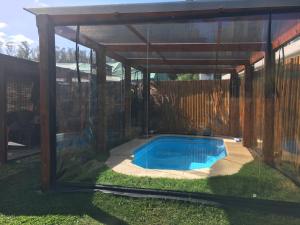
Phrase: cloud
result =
(40, 4)
(19, 38)
(14, 39)
(2, 37)
(2, 25)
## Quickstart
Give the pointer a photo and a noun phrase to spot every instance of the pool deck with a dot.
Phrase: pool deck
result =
(121, 157)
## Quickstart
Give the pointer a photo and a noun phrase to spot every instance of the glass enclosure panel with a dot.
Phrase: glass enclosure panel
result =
(115, 103)
(287, 118)
(200, 99)
(75, 101)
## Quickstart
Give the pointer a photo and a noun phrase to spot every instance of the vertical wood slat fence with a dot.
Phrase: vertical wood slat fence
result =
(192, 107)
(287, 117)
(18, 78)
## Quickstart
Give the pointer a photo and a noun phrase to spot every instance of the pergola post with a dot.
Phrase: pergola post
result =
(234, 111)
(47, 100)
(269, 94)
(248, 104)
(127, 107)
(146, 97)
(101, 120)
(3, 105)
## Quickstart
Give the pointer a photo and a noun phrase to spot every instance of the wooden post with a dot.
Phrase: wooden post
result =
(47, 100)
(3, 106)
(248, 107)
(234, 111)
(101, 121)
(269, 95)
(146, 95)
(127, 116)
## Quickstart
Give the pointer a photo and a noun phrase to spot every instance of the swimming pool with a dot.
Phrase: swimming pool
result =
(179, 153)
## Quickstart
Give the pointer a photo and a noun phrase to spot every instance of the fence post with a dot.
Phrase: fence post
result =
(101, 118)
(234, 110)
(127, 107)
(248, 107)
(146, 97)
(47, 100)
(3, 106)
(269, 95)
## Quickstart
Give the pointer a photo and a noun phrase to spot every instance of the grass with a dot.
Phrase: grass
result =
(254, 179)
(23, 203)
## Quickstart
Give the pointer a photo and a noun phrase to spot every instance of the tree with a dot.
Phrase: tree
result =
(10, 48)
(1, 46)
(188, 76)
(35, 54)
(173, 76)
(24, 50)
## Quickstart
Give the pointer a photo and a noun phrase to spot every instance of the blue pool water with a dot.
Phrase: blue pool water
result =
(180, 153)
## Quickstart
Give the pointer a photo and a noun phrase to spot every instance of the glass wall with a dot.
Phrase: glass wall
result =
(192, 109)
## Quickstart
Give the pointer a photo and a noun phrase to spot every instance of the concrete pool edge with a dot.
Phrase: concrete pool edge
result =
(121, 156)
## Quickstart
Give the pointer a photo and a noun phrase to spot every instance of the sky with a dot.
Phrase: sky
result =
(17, 25)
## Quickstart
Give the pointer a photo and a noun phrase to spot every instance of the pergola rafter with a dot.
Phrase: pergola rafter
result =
(187, 47)
(151, 61)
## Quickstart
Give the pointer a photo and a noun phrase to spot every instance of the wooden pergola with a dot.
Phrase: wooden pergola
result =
(194, 37)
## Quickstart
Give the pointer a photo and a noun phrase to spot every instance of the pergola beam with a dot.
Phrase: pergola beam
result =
(233, 62)
(186, 47)
(191, 70)
(287, 36)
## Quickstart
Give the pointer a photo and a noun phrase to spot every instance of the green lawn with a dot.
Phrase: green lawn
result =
(254, 179)
(21, 202)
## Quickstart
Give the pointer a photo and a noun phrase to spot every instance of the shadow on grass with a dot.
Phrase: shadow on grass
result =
(254, 180)
(21, 196)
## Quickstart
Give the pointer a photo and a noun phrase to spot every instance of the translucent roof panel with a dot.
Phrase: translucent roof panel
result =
(244, 31)
(110, 34)
(196, 36)
(192, 32)
(206, 55)
(248, 30)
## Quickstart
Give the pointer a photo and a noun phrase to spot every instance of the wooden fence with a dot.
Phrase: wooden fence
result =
(192, 107)
(183, 107)
(287, 117)
(286, 151)
(19, 108)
